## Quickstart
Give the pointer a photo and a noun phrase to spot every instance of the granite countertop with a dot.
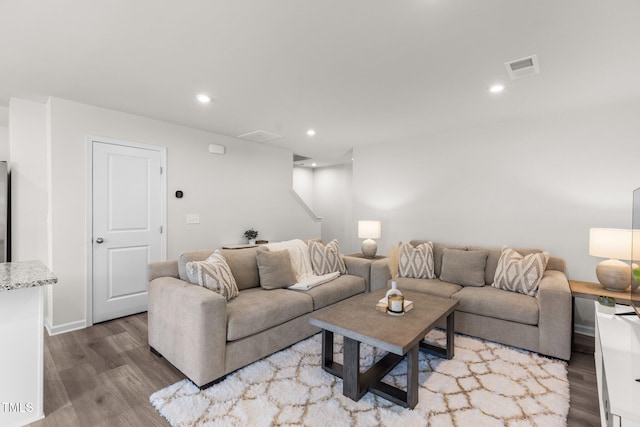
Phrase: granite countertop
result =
(24, 274)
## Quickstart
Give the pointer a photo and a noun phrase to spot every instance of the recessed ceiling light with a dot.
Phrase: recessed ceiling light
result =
(496, 88)
(311, 132)
(314, 165)
(203, 98)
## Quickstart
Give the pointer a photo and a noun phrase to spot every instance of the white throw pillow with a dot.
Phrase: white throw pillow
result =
(214, 274)
(416, 262)
(326, 259)
(520, 273)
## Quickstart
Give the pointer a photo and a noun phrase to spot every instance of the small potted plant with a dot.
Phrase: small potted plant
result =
(251, 235)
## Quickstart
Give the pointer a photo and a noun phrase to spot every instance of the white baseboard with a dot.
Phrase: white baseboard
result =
(585, 330)
(65, 327)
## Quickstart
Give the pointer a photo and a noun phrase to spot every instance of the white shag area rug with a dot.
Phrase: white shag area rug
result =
(485, 384)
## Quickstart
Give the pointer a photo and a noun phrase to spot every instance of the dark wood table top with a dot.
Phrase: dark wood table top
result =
(357, 318)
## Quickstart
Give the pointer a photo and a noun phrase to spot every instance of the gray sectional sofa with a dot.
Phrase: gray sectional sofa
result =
(541, 323)
(206, 337)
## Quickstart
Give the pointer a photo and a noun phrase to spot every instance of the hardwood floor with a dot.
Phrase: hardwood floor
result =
(104, 375)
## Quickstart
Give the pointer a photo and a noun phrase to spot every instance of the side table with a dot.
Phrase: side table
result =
(592, 291)
(359, 255)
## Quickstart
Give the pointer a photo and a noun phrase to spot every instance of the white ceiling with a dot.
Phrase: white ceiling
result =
(357, 71)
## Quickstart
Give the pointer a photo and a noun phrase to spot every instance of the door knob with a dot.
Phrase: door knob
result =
(99, 240)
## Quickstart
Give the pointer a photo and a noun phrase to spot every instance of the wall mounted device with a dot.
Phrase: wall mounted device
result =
(179, 194)
(217, 149)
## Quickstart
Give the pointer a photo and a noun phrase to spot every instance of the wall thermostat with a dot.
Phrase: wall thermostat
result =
(217, 149)
(179, 194)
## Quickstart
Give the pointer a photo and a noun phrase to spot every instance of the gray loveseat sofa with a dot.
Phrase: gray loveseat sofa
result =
(541, 323)
(206, 337)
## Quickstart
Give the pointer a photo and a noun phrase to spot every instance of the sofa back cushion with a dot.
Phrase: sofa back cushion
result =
(438, 251)
(275, 269)
(190, 256)
(242, 263)
(492, 258)
(214, 274)
(416, 262)
(466, 268)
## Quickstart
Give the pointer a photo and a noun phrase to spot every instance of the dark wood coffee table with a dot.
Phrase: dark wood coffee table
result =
(358, 321)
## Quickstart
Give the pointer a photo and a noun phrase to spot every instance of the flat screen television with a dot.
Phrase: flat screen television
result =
(635, 253)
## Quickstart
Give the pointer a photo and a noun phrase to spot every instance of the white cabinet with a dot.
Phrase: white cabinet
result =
(617, 358)
(21, 345)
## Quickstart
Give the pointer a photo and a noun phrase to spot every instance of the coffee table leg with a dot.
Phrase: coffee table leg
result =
(412, 377)
(450, 335)
(327, 348)
(351, 367)
(448, 350)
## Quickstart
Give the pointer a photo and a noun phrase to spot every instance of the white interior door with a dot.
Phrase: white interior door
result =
(127, 226)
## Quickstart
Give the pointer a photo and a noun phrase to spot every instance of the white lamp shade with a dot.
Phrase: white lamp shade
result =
(369, 229)
(610, 243)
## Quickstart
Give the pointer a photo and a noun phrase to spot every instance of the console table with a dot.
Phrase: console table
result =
(21, 338)
(617, 358)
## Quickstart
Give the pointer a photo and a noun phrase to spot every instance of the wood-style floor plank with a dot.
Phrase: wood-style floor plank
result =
(104, 375)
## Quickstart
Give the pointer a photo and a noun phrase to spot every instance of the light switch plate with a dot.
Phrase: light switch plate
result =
(193, 219)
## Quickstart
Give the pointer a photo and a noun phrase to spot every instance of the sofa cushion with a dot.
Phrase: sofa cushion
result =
(244, 266)
(494, 256)
(190, 256)
(438, 250)
(213, 274)
(326, 259)
(275, 269)
(342, 287)
(416, 262)
(464, 268)
(428, 286)
(257, 309)
(519, 273)
(491, 302)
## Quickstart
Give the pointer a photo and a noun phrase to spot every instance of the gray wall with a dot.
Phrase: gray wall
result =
(536, 182)
(250, 186)
(333, 201)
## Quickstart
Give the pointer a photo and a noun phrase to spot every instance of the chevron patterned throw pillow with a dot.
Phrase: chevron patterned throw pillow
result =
(326, 259)
(520, 273)
(214, 274)
(416, 262)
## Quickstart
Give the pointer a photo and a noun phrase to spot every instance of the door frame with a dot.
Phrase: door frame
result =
(91, 140)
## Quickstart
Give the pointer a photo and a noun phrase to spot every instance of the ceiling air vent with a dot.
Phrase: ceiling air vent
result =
(260, 136)
(299, 158)
(523, 67)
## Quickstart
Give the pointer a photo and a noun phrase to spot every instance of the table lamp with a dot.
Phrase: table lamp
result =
(614, 244)
(369, 230)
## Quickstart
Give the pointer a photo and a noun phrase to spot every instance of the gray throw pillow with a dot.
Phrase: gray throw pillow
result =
(518, 273)
(214, 274)
(326, 259)
(275, 269)
(416, 262)
(464, 268)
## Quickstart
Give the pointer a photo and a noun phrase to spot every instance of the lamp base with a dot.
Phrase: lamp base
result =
(614, 275)
(369, 248)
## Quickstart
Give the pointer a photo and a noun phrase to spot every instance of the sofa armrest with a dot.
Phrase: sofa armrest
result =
(162, 269)
(359, 267)
(380, 274)
(188, 326)
(554, 311)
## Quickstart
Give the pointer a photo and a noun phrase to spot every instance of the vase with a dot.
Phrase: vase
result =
(252, 241)
(395, 299)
